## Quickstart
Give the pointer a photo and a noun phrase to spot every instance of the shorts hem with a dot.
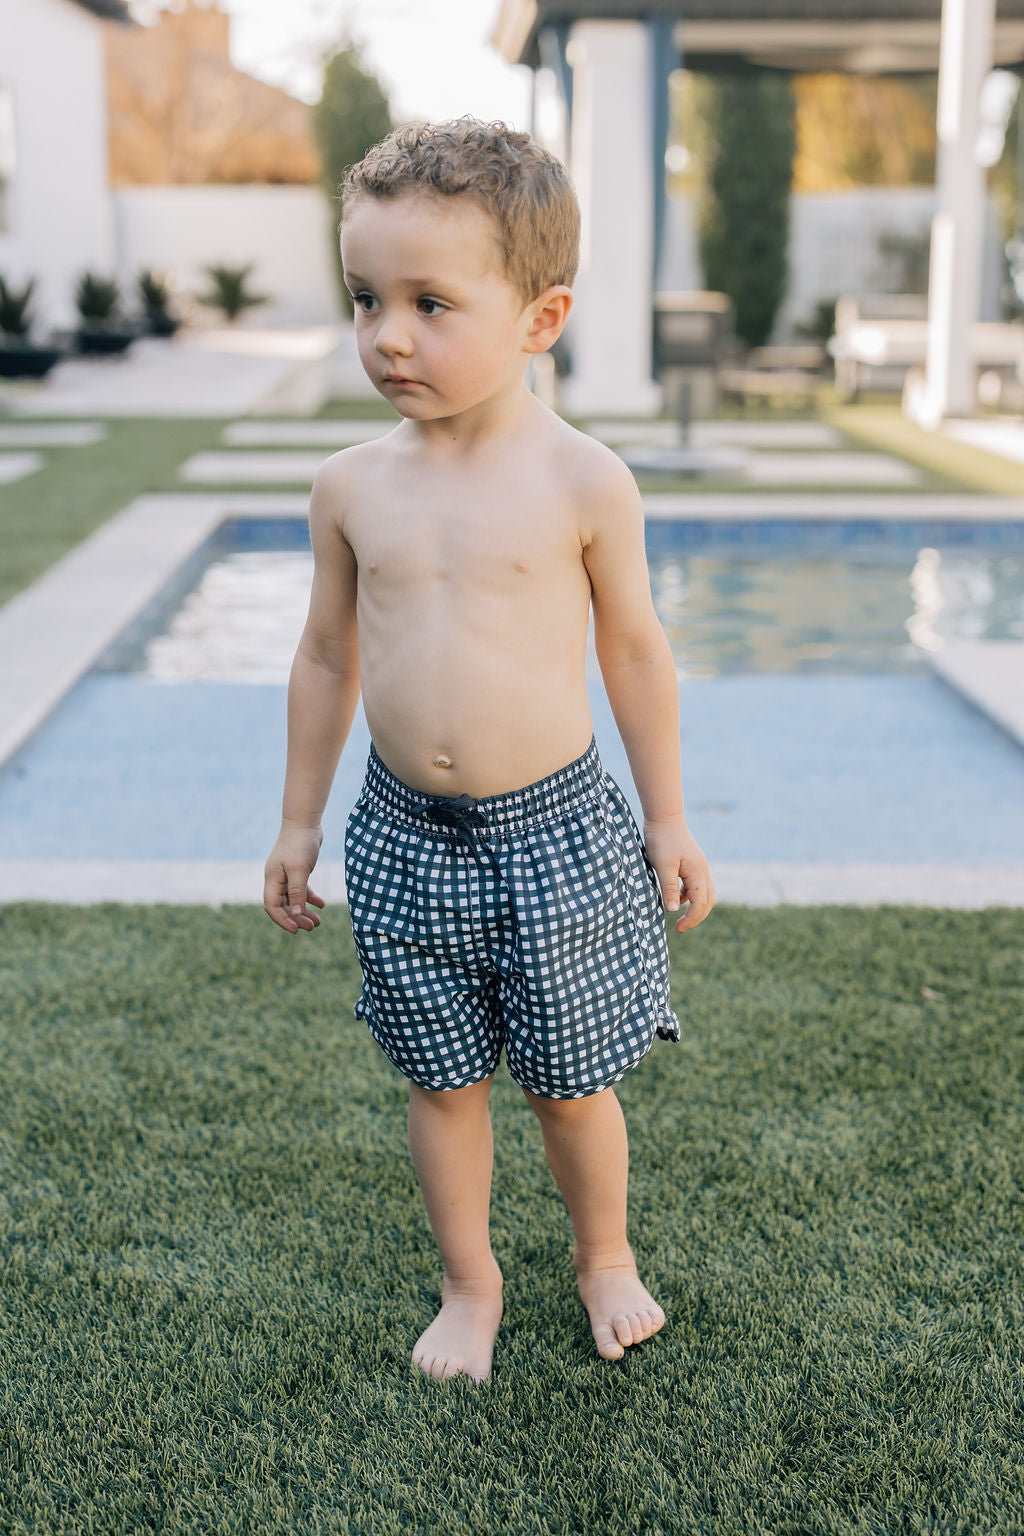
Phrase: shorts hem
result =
(360, 1011)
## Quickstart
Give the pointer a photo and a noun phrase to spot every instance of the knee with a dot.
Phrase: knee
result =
(453, 1100)
(561, 1109)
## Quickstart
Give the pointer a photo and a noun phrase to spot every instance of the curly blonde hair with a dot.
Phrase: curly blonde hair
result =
(525, 190)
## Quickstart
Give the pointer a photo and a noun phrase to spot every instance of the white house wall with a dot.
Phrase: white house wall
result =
(286, 232)
(59, 214)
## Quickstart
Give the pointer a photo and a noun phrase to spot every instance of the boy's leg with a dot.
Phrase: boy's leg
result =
(587, 1149)
(452, 1149)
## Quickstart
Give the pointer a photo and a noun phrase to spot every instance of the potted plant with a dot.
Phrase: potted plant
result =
(19, 359)
(102, 329)
(155, 293)
(229, 291)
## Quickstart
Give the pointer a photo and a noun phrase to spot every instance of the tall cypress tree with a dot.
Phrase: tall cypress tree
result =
(352, 114)
(747, 142)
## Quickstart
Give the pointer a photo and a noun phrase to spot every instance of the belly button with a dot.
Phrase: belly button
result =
(442, 762)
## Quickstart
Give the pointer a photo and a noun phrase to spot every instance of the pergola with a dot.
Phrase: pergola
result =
(611, 63)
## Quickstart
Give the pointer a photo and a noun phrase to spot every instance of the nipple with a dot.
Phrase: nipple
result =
(440, 761)
(373, 565)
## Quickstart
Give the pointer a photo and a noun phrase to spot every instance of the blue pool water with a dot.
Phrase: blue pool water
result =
(811, 726)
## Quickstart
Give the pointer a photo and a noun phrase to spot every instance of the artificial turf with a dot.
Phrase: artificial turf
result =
(77, 488)
(215, 1258)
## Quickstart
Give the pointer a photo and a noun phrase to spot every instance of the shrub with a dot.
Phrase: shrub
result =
(746, 146)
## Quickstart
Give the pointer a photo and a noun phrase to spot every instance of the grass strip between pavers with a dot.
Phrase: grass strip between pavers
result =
(215, 1257)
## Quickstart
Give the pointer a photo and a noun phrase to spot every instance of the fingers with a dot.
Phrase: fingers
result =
(699, 892)
(285, 897)
(669, 880)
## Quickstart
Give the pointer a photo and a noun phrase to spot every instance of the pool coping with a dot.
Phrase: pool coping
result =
(214, 883)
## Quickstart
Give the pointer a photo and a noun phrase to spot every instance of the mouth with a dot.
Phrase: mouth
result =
(396, 378)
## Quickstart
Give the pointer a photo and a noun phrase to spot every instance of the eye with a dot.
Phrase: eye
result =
(358, 298)
(437, 305)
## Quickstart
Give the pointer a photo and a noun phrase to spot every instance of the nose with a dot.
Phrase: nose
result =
(392, 338)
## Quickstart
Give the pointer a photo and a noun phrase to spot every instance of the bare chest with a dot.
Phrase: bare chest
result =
(480, 545)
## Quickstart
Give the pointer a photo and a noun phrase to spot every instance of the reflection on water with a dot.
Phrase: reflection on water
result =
(722, 613)
(792, 614)
(241, 624)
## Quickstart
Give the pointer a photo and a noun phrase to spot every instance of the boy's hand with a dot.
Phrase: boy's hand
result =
(680, 864)
(285, 888)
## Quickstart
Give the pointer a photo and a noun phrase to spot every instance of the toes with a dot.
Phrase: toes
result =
(608, 1346)
(623, 1328)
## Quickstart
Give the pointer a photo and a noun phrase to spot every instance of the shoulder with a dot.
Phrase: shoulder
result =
(601, 485)
(336, 485)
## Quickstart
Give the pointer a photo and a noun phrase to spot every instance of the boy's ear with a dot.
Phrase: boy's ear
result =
(550, 312)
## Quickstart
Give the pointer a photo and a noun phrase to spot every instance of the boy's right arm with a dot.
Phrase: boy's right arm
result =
(323, 691)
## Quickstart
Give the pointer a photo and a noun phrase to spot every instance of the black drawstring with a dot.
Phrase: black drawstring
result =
(458, 814)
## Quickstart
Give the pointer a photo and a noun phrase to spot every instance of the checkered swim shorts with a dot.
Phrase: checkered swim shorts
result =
(531, 919)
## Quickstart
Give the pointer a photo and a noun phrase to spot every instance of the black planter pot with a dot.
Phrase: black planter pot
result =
(21, 360)
(104, 340)
(159, 323)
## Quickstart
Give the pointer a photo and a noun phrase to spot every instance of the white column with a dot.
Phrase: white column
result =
(958, 229)
(609, 328)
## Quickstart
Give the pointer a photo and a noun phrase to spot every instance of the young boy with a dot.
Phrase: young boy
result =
(499, 890)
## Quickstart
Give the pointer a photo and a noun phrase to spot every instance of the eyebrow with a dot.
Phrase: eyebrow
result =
(410, 282)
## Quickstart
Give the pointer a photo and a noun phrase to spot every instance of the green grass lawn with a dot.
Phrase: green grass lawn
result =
(48, 512)
(215, 1257)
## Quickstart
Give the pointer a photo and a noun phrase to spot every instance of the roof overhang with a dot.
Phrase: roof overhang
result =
(798, 36)
(109, 10)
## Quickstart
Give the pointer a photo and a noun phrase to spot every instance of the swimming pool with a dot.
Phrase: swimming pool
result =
(733, 597)
(812, 727)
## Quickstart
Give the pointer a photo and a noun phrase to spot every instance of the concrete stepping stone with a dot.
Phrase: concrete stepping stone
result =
(58, 434)
(746, 434)
(1005, 438)
(252, 468)
(300, 434)
(15, 466)
(830, 469)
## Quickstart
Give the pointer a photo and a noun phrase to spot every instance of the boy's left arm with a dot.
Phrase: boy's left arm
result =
(639, 673)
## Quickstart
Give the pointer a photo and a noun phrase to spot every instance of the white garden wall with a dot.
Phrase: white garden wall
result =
(285, 231)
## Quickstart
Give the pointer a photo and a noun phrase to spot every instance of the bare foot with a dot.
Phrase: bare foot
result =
(622, 1309)
(460, 1340)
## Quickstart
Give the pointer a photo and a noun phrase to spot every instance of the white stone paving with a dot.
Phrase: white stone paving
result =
(1003, 437)
(703, 434)
(212, 883)
(213, 372)
(990, 673)
(830, 469)
(15, 466)
(239, 467)
(52, 434)
(302, 434)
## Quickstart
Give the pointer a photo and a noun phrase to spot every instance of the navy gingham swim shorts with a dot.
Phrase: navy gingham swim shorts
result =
(531, 919)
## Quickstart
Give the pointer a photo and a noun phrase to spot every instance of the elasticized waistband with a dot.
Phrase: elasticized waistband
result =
(515, 808)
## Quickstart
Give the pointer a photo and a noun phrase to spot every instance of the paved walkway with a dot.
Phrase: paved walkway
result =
(217, 372)
(1001, 435)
